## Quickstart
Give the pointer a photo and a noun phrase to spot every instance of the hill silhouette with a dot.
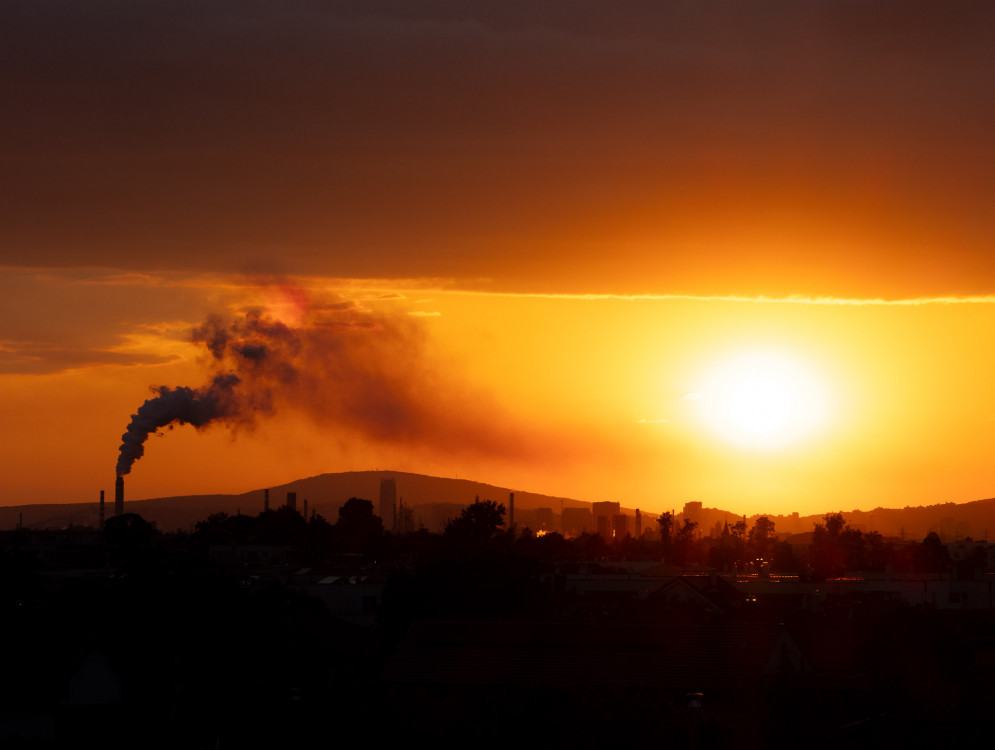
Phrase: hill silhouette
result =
(436, 499)
(325, 493)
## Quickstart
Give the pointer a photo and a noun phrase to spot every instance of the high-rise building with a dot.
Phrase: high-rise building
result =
(604, 512)
(620, 526)
(575, 521)
(603, 525)
(544, 519)
(693, 511)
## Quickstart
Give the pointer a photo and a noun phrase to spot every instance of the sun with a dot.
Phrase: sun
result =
(762, 399)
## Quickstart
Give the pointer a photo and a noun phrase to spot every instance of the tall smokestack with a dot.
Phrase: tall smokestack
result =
(292, 500)
(388, 503)
(119, 496)
(266, 499)
(511, 509)
(101, 521)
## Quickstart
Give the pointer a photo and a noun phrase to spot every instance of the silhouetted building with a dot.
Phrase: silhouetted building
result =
(388, 500)
(606, 508)
(434, 516)
(544, 518)
(405, 518)
(603, 514)
(576, 521)
(603, 526)
(692, 511)
(620, 526)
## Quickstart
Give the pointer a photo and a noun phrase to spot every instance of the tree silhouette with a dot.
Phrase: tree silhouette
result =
(835, 546)
(128, 532)
(221, 528)
(477, 523)
(281, 526)
(783, 558)
(213, 530)
(876, 552)
(357, 526)
(932, 555)
(739, 529)
(761, 538)
(129, 539)
(666, 523)
(684, 541)
(727, 551)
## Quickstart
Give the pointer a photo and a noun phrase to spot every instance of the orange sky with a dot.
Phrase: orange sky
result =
(525, 246)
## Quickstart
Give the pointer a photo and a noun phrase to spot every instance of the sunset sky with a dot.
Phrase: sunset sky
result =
(735, 252)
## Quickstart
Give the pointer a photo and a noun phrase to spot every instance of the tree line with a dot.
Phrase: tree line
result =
(835, 548)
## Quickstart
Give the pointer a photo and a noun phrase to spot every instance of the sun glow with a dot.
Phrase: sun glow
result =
(762, 399)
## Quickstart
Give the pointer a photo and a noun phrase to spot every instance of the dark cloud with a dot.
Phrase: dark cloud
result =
(484, 138)
(31, 358)
(56, 321)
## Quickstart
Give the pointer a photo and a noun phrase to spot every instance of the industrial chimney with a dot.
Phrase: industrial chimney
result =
(119, 496)
(388, 503)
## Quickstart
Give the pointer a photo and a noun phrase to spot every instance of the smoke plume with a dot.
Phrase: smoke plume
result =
(348, 369)
(180, 405)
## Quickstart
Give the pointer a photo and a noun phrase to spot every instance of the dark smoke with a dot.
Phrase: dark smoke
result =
(180, 405)
(355, 372)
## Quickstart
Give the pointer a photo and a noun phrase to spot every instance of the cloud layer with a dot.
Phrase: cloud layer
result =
(823, 148)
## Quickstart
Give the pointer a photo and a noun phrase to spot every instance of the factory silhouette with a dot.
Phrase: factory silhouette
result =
(279, 626)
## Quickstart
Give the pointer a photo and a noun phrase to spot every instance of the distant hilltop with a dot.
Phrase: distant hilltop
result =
(433, 500)
(952, 521)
